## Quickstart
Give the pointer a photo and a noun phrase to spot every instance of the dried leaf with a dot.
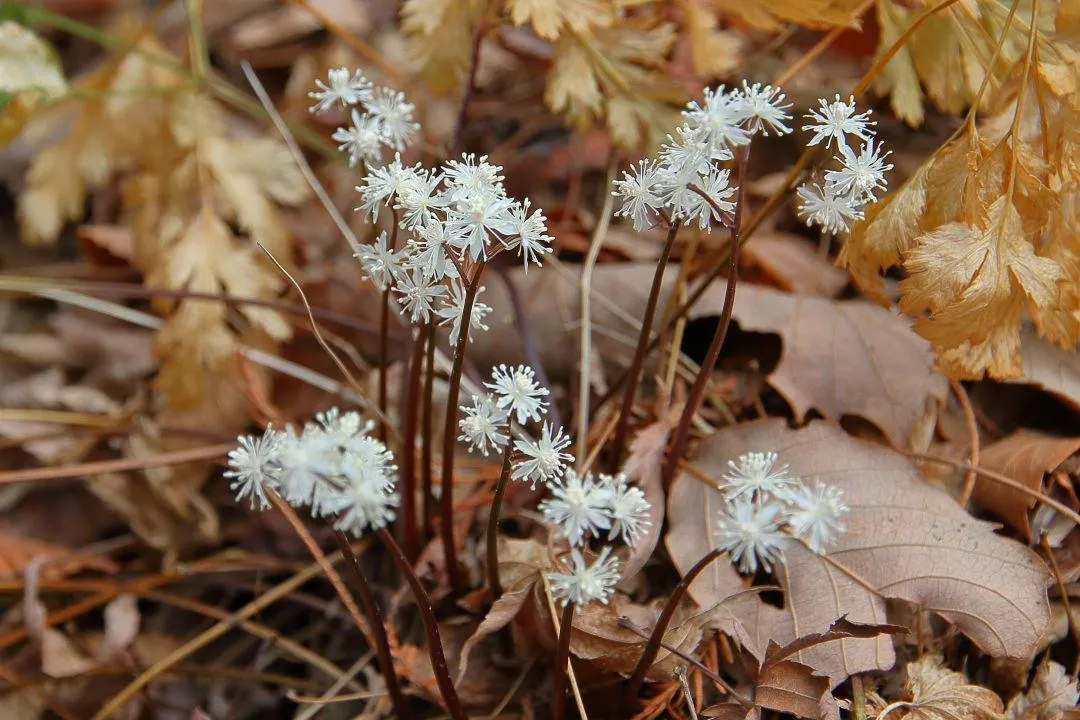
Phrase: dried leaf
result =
(793, 688)
(643, 468)
(795, 265)
(548, 17)
(30, 74)
(1026, 455)
(938, 693)
(904, 540)
(1049, 367)
(502, 612)
(17, 552)
(1051, 695)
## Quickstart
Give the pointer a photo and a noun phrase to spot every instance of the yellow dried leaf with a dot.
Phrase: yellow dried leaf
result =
(547, 17)
(30, 74)
(898, 78)
(938, 693)
(572, 85)
(440, 36)
(772, 15)
(1051, 695)
(713, 51)
(974, 280)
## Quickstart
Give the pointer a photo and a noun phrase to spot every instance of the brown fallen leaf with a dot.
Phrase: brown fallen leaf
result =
(1026, 456)
(795, 265)
(935, 692)
(1047, 366)
(904, 540)
(846, 357)
(1052, 694)
(643, 469)
(17, 552)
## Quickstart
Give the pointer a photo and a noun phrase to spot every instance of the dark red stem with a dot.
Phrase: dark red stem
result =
(431, 629)
(408, 524)
(562, 657)
(494, 585)
(429, 440)
(378, 628)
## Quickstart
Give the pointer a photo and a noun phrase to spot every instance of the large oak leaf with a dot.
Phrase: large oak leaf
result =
(905, 539)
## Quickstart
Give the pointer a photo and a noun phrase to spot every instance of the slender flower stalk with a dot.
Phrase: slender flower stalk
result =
(431, 628)
(562, 659)
(633, 378)
(377, 627)
(428, 435)
(697, 392)
(384, 341)
(409, 526)
(494, 583)
(454, 391)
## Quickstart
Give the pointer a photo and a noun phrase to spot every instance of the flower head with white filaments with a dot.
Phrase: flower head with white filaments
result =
(517, 390)
(859, 172)
(688, 167)
(332, 466)
(579, 506)
(581, 583)
(766, 506)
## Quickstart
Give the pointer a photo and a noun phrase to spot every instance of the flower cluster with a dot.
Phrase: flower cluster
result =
(851, 185)
(333, 466)
(515, 393)
(767, 505)
(686, 182)
(386, 120)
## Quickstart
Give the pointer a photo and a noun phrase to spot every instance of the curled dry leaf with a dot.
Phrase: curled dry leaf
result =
(1026, 456)
(937, 693)
(904, 540)
(643, 468)
(795, 265)
(847, 357)
(1052, 694)
(1049, 367)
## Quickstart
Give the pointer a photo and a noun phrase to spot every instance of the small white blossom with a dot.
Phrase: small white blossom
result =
(476, 219)
(473, 176)
(545, 459)
(719, 115)
(418, 197)
(381, 185)
(252, 464)
(637, 191)
(763, 109)
(418, 294)
(859, 175)
(825, 207)
(453, 310)
(368, 494)
(484, 424)
(834, 121)
(343, 87)
(517, 390)
(815, 514)
(750, 533)
(528, 233)
(629, 509)
(696, 207)
(361, 140)
(582, 584)
(578, 505)
(394, 116)
(755, 477)
(429, 250)
(306, 460)
(382, 264)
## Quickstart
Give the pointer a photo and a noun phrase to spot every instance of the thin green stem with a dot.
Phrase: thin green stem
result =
(562, 657)
(633, 377)
(494, 584)
(377, 626)
(431, 629)
(450, 433)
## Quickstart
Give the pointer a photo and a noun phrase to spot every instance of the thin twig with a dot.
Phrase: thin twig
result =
(585, 359)
(973, 438)
(63, 472)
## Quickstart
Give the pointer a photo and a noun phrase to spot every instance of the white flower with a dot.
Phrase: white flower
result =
(859, 175)
(306, 461)
(629, 509)
(827, 208)
(429, 250)
(484, 424)
(453, 310)
(637, 190)
(578, 505)
(582, 584)
(516, 390)
(683, 159)
(394, 116)
(419, 197)
(719, 116)
(381, 263)
(474, 218)
(763, 110)
(253, 466)
(528, 233)
(715, 185)
(836, 120)
(344, 87)
(754, 476)
(368, 495)
(545, 457)
(472, 176)
(381, 184)
(361, 140)
(750, 533)
(418, 293)
(815, 514)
